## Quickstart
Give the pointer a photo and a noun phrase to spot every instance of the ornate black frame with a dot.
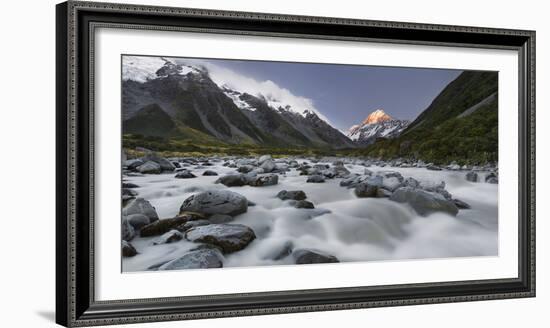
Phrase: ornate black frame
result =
(75, 303)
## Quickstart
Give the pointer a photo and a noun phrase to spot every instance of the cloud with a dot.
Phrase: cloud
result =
(273, 93)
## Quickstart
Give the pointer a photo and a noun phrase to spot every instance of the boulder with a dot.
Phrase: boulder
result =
(191, 224)
(129, 185)
(198, 259)
(264, 158)
(383, 193)
(461, 204)
(127, 232)
(264, 180)
(129, 192)
(169, 237)
(162, 226)
(472, 176)
(411, 182)
(391, 183)
(185, 174)
(209, 173)
(491, 177)
(303, 204)
(308, 256)
(292, 194)
(268, 165)
(229, 237)
(350, 181)
(165, 165)
(149, 167)
(391, 174)
(126, 199)
(423, 202)
(280, 252)
(369, 187)
(132, 164)
(232, 180)
(433, 168)
(138, 220)
(245, 168)
(215, 202)
(128, 249)
(140, 206)
(222, 218)
(315, 179)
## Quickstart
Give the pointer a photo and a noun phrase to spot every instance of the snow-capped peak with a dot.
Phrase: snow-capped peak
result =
(377, 125)
(377, 116)
(144, 68)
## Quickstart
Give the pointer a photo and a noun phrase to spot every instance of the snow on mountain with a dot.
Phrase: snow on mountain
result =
(276, 96)
(142, 68)
(377, 125)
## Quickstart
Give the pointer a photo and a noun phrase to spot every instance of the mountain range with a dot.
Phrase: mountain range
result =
(184, 102)
(175, 104)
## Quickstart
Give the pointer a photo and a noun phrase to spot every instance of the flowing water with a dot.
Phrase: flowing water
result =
(350, 228)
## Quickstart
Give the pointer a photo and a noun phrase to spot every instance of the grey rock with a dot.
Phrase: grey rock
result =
(215, 202)
(245, 168)
(433, 168)
(423, 202)
(128, 249)
(268, 165)
(369, 187)
(292, 194)
(169, 237)
(209, 173)
(222, 218)
(491, 177)
(264, 180)
(138, 220)
(303, 204)
(350, 181)
(197, 259)
(191, 224)
(129, 192)
(165, 165)
(149, 167)
(162, 226)
(132, 164)
(383, 193)
(281, 252)
(185, 174)
(127, 232)
(315, 179)
(264, 158)
(461, 204)
(391, 183)
(129, 185)
(472, 176)
(141, 206)
(233, 180)
(308, 256)
(229, 237)
(411, 182)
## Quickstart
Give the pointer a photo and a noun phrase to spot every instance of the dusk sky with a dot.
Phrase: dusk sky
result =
(346, 94)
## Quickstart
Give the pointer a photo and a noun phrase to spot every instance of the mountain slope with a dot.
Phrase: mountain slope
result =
(190, 97)
(377, 125)
(468, 89)
(460, 125)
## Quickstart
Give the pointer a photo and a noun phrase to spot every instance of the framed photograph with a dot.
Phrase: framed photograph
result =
(215, 163)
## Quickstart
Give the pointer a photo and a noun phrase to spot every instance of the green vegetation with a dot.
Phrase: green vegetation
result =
(468, 140)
